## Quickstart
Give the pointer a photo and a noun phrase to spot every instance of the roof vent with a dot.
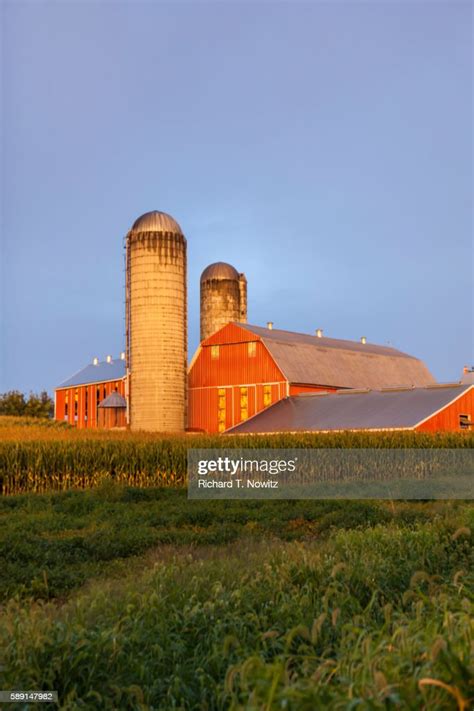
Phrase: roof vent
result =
(269, 325)
(109, 359)
(122, 355)
(95, 361)
(319, 332)
(363, 340)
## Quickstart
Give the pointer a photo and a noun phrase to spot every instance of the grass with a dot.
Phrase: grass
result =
(339, 607)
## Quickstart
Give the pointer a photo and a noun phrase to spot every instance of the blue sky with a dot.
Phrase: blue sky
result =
(325, 149)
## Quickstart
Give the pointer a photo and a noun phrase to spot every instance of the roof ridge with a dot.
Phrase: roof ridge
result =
(272, 333)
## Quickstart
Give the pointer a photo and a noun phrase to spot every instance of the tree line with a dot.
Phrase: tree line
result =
(17, 404)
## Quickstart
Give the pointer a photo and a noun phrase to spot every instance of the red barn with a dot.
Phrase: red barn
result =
(243, 369)
(77, 400)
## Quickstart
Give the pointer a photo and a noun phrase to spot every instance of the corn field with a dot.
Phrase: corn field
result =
(42, 457)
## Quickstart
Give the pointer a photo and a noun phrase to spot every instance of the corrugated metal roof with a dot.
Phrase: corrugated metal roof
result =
(340, 363)
(219, 270)
(156, 221)
(115, 370)
(113, 400)
(375, 409)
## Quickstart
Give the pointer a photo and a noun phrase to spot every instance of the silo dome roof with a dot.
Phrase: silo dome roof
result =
(156, 221)
(220, 270)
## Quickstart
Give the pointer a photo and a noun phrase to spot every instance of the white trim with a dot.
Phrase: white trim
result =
(275, 363)
(194, 358)
(433, 414)
(94, 382)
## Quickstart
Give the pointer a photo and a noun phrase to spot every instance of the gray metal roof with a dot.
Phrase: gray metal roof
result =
(340, 363)
(96, 373)
(113, 400)
(346, 410)
(156, 221)
(219, 270)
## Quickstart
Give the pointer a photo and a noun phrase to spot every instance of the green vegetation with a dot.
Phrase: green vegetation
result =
(42, 459)
(51, 544)
(15, 403)
(127, 595)
(237, 605)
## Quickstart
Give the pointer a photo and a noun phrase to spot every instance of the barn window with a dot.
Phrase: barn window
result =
(221, 407)
(214, 352)
(66, 406)
(464, 422)
(76, 404)
(267, 395)
(252, 349)
(244, 403)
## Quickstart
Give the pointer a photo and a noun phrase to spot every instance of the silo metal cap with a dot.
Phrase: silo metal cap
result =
(219, 270)
(156, 221)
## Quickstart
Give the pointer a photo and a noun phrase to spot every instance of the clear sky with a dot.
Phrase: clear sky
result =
(323, 148)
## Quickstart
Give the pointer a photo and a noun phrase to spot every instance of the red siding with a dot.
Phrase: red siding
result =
(231, 334)
(298, 388)
(203, 404)
(232, 370)
(448, 419)
(81, 420)
(234, 366)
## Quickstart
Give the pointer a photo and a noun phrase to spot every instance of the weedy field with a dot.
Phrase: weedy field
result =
(126, 597)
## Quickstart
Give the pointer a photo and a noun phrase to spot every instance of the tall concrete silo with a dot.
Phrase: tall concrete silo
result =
(223, 297)
(156, 323)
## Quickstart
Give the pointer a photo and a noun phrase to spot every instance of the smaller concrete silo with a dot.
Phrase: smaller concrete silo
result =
(223, 297)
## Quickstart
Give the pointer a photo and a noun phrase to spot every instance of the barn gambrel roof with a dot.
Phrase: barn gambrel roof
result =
(339, 363)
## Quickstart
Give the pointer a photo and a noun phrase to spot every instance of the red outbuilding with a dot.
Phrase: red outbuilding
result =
(433, 408)
(78, 400)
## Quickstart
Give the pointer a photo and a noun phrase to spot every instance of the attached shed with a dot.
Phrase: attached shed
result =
(429, 409)
(242, 369)
(112, 411)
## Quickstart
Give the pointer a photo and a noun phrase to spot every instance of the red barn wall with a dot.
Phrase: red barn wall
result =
(96, 392)
(232, 333)
(231, 372)
(448, 419)
(234, 366)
